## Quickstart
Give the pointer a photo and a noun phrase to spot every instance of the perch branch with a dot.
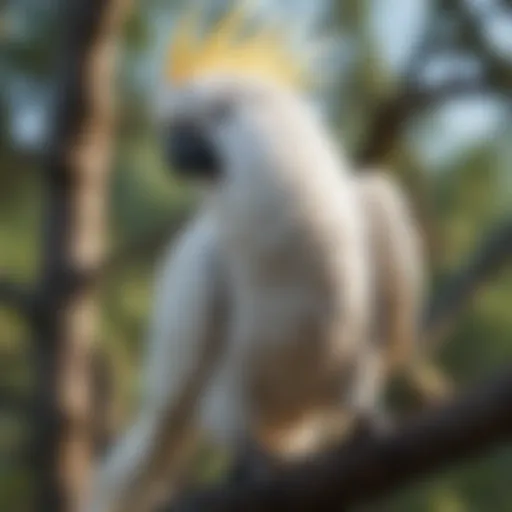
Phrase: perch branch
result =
(361, 473)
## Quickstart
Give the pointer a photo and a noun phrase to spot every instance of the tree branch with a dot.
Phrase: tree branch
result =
(359, 474)
(498, 69)
(77, 169)
(148, 244)
(392, 115)
(494, 252)
(411, 97)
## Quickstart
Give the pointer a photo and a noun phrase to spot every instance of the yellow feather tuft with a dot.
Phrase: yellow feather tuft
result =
(226, 49)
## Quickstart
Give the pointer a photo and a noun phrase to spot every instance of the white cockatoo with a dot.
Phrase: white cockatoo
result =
(284, 304)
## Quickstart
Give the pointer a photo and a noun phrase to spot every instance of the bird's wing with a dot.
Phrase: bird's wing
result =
(398, 259)
(185, 338)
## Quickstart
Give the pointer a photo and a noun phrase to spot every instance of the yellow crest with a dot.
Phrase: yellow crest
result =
(263, 53)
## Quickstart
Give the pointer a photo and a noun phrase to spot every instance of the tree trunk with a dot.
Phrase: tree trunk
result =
(75, 222)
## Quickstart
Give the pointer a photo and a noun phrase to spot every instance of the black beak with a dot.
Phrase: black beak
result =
(190, 153)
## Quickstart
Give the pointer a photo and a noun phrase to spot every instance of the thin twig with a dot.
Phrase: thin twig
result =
(497, 68)
(493, 253)
(393, 114)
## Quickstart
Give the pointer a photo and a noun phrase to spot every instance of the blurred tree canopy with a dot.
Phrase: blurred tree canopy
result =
(425, 90)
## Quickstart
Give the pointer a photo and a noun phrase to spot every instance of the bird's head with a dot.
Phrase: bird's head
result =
(221, 90)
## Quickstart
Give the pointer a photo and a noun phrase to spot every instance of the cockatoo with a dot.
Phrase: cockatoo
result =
(283, 306)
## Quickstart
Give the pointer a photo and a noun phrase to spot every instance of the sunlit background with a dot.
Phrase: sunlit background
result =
(453, 153)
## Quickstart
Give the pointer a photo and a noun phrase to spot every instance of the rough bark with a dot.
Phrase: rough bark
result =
(77, 172)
